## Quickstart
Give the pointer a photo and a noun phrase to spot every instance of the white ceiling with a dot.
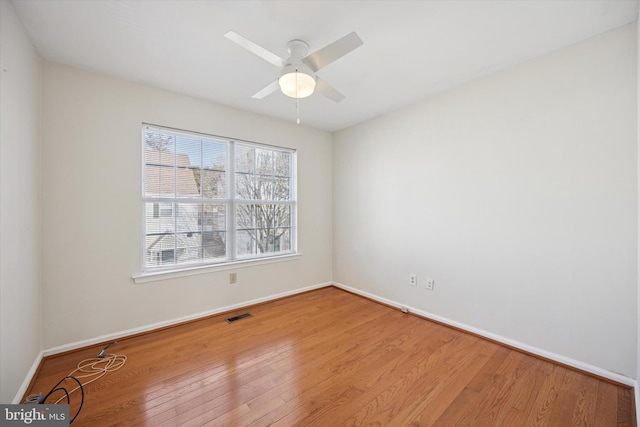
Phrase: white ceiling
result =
(412, 49)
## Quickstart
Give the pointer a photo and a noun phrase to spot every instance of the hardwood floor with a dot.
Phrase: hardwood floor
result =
(330, 358)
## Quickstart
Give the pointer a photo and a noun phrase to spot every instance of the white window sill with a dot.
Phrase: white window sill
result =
(192, 271)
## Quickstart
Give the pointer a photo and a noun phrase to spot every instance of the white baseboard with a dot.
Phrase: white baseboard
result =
(613, 376)
(25, 384)
(151, 327)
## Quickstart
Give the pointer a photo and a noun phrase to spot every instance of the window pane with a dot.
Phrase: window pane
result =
(213, 184)
(161, 223)
(200, 233)
(159, 165)
(272, 240)
(214, 218)
(214, 224)
(245, 186)
(189, 151)
(160, 142)
(214, 155)
(188, 247)
(159, 181)
(245, 217)
(282, 241)
(282, 164)
(245, 230)
(282, 216)
(263, 188)
(263, 216)
(263, 174)
(264, 162)
(281, 189)
(160, 250)
(245, 158)
(186, 184)
(187, 217)
(245, 243)
(160, 229)
(263, 228)
(214, 245)
(188, 165)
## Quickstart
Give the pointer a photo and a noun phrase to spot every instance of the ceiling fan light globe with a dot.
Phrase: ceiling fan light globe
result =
(296, 84)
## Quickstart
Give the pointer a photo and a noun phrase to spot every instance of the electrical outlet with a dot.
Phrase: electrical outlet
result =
(430, 284)
(413, 280)
(233, 278)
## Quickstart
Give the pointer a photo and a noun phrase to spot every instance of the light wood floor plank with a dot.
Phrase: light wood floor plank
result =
(331, 358)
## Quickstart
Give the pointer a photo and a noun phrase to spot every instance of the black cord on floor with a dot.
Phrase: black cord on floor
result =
(67, 394)
(94, 369)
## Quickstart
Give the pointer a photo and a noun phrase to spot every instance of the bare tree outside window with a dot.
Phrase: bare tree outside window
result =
(262, 180)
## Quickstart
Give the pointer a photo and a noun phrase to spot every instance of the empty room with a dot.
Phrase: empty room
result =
(319, 213)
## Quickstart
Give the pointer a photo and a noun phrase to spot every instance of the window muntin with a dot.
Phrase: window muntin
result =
(210, 200)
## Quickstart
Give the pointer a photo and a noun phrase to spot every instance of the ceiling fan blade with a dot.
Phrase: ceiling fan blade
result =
(268, 90)
(325, 89)
(255, 49)
(331, 52)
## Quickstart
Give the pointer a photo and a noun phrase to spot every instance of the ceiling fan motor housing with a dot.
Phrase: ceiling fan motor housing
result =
(297, 50)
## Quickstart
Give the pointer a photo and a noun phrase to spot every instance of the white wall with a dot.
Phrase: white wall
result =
(637, 392)
(517, 193)
(19, 203)
(92, 206)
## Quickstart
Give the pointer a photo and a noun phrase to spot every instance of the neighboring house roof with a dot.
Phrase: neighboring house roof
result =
(160, 174)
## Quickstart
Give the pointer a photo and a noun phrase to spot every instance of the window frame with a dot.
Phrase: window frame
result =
(230, 200)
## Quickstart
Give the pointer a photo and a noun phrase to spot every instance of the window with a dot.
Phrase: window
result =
(211, 200)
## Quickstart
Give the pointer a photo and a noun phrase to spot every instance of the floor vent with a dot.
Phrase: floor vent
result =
(238, 317)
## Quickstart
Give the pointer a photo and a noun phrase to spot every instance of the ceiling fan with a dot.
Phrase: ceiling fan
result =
(298, 77)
